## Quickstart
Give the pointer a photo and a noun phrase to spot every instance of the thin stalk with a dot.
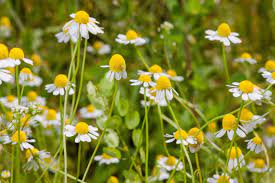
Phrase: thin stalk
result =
(142, 58)
(198, 166)
(78, 161)
(225, 64)
(147, 138)
(162, 131)
(12, 163)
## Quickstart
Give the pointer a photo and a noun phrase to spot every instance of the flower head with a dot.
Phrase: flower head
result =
(60, 85)
(236, 158)
(164, 90)
(17, 55)
(246, 57)
(257, 165)
(255, 144)
(170, 163)
(198, 137)
(90, 112)
(131, 37)
(107, 159)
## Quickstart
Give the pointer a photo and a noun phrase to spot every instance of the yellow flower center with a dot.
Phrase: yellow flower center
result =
(163, 83)
(270, 65)
(32, 95)
(112, 179)
(26, 71)
(31, 152)
(159, 156)
(223, 179)
(90, 108)
(36, 60)
(51, 114)
(82, 128)
(23, 137)
(171, 161)
(246, 115)
(67, 121)
(196, 133)
(212, 127)
(259, 163)
(246, 86)
(270, 130)
(97, 45)
(273, 75)
(155, 69)
(180, 134)
(144, 78)
(4, 51)
(5, 21)
(61, 81)
(235, 152)
(257, 140)
(9, 116)
(81, 17)
(117, 63)
(229, 122)
(172, 73)
(10, 98)
(11, 69)
(16, 53)
(246, 55)
(131, 35)
(25, 120)
(224, 30)
(106, 156)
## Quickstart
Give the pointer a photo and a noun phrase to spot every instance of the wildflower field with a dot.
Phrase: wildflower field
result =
(112, 91)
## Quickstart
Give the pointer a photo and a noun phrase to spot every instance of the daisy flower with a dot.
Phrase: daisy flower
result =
(269, 76)
(246, 57)
(32, 153)
(81, 25)
(223, 34)
(211, 129)
(36, 62)
(105, 158)
(158, 174)
(17, 55)
(156, 71)
(164, 90)
(223, 178)
(24, 141)
(5, 174)
(269, 137)
(131, 37)
(25, 74)
(269, 66)
(255, 144)
(198, 135)
(84, 132)
(246, 89)
(34, 82)
(236, 158)
(99, 48)
(64, 36)
(249, 120)
(144, 80)
(170, 163)
(173, 75)
(90, 112)
(9, 101)
(5, 75)
(32, 97)
(50, 118)
(229, 126)
(60, 85)
(4, 57)
(117, 67)
(112, 179)
(180, 136)
(257, 165)
(5, 26)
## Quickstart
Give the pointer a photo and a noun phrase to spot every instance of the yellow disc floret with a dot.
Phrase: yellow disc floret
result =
(131, 35)
(4, 51)
(36, 60)
(31, 152)
(270, 130)
(235, 153)
(224, 30)
(117, 63)
(246, 114)
(257, 140)
(229, 122)
(16, 53)
(180, 134)
(22, 136)
(31, 95)
(259, 163)
(26, 71)
(273, 75)
(9, 115)
(171, 73)
(5, 21)
(61, 81)
(51, 114)
(144, 78)
(81, 17)
(82, 128)
(212, 127)
(106, 156)
(97, 45)
(171, 161)
(196, 133)
(155, 69)
(90, 108)
(246, 86)
(112, 179)
(223, 179)
(25, 120)
(10, 98)
(163, 83)
(270, 65)
(246, 55)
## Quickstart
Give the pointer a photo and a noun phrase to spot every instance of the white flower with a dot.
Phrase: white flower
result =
(180, 136)
(5, 26)
(90, 112)
(229, 126)
(16, 55)
(131, 37)
(236, 158)
(164, 90)
(257, 165)
(106, 159)
(99, 48)
(60, 85)
(5, 76)
(154, 70)
(159, 174)
(117, 67)
(84, 132)
(255, 144)
(246, 89)
(25, 74)
(35, 81)
(269, 137)
(170, 163)
(24, 141)
(64, 36)
(269, 66)
(9, 101)
(40, 156)
(269, 76)
(249, 120)
(33, 98)
(223, 178)
(4, 57)
(49, 118)
(246, 57)
(173, 75)
(5, 174)
(198, 136)
(223, 34)
(144, 80)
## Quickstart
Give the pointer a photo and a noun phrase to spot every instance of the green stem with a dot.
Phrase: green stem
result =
(142, 58)
(225, 64)
(147, 138)
(12, 164)
(78, 161)
(162, 131)
(198, 166)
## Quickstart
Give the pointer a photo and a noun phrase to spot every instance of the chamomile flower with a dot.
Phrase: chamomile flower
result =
(269, 137)
(269, 76)
(131, 37)
(90, 112)
(5, 27)
(158, 174)
(180, 136)
(236, 158)
(83, 132)
(37, 61)
(246, 89)
(246, 57)
(223, 34)
(223, 178)
(5, 174)
(81, 25)
(64, 36)
(156, 71)
(144, 80)
(211, 129)
(5, 75)
(33, 153)
(99, 48)
(229, 126)
(249, 120)
(198, 135)
(164, 90)
(269, 66)
(34, 82)
(173, 75)
(25, 74)
(257, 165)
(32, 97)
(17, 55)
(60, 85)
(4, 57)
(255, 144)
(170, 163)
(105, 158)
(117, 67)
(112, 179)
(9, 101)
(24, 141)
(50, 118)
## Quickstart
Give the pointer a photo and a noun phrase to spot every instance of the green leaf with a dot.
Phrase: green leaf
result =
(122, 106)
(137, 136)
(112, 152)
(131, 176)
(114, 122)
(132, 120)
(105, 87)
(111, 139)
